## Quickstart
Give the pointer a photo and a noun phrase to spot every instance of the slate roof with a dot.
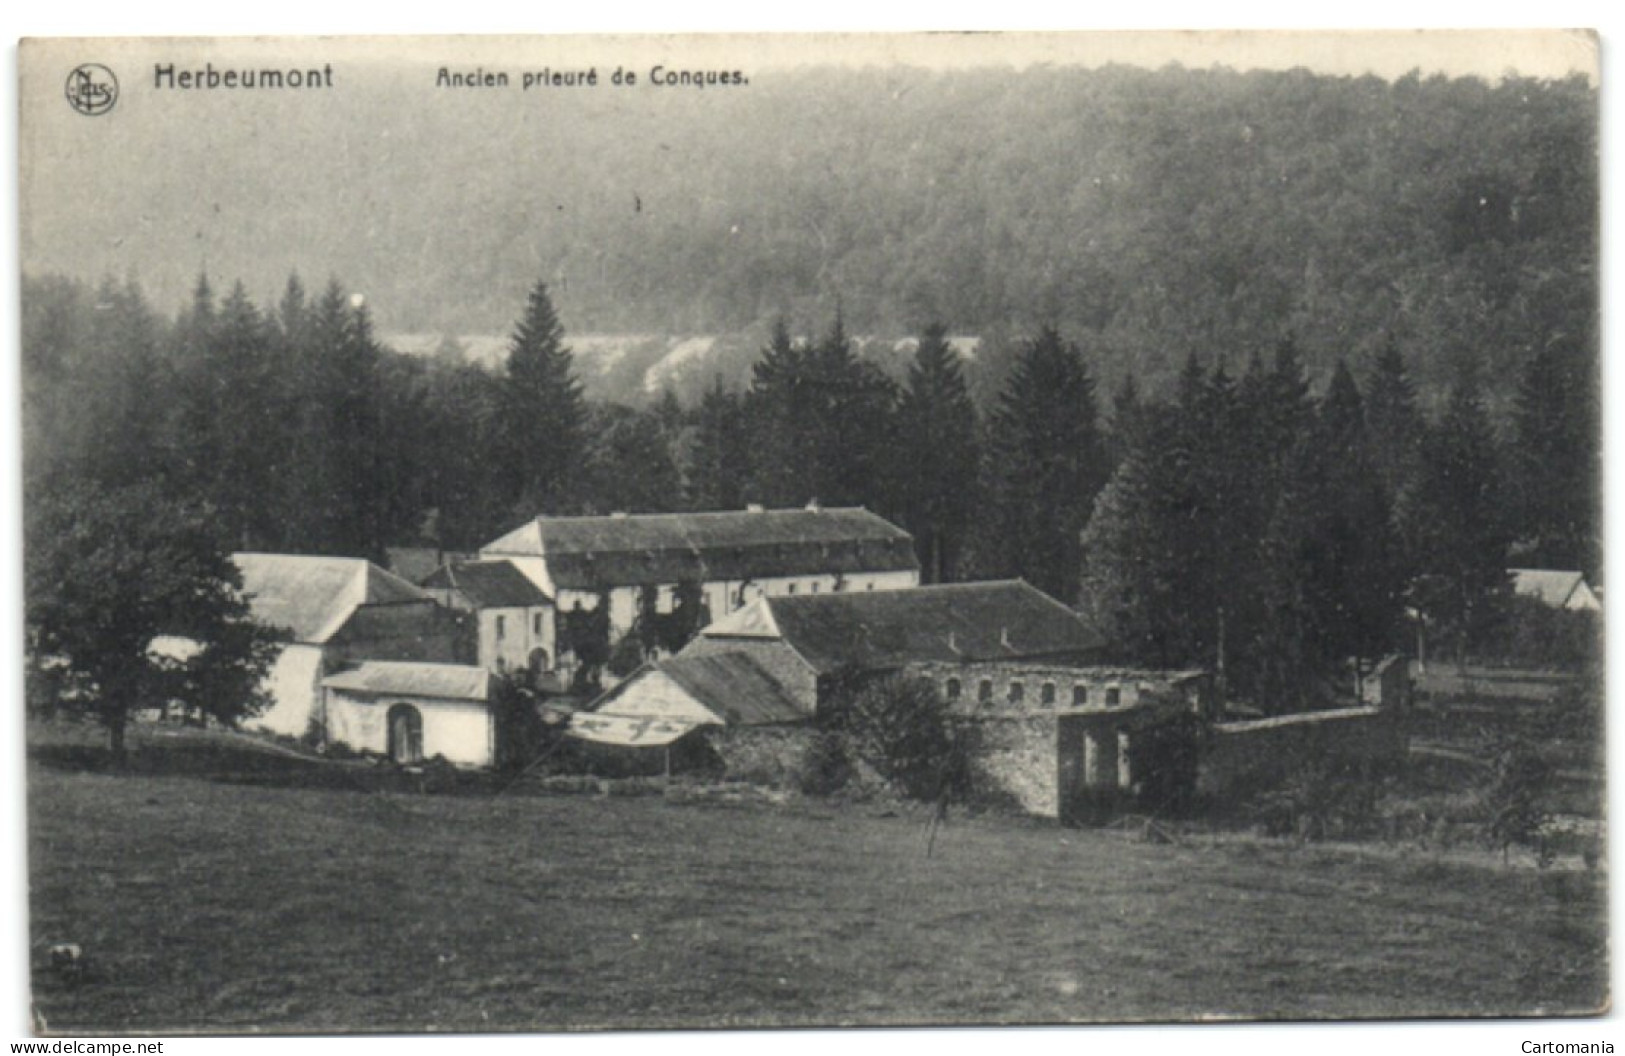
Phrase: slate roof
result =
(734, 687)
(881, 630)
(588, 553)
(1551, 586)
(313, 596)
(488, 584)
(415, 563)
(404, 678)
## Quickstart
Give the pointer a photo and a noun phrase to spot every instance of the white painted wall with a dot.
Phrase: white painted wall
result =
(464, 733)
(519, 637)
(725, 596)
(295, 685)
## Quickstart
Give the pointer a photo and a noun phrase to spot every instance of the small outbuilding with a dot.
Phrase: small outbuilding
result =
(1555, 588)
(723, 689)
(410, 712)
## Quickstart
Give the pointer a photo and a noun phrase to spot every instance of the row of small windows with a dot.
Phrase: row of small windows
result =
(814, 586)
(953, 689)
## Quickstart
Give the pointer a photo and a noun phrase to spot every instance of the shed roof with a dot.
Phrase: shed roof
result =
(313, 596)
(587, 553)
(957, 622)
(410, 679)
(734, 687)
(488, 584)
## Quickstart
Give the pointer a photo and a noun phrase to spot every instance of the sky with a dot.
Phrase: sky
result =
(103, 17)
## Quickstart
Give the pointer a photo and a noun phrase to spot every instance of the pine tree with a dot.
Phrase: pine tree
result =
(118, 398)
(1455, 521)
(937, 442)
(629, 465)
(544, 415)
(1557, 461)
(719, 459)
(1047, 464)
(243, 437)
(821, 423)
(1394, 423)
(335, 499)
(779, 414)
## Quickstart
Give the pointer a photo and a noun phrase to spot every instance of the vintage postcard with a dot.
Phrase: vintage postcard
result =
(541, 534)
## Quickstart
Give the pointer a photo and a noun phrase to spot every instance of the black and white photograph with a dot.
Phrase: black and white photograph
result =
(536, 534)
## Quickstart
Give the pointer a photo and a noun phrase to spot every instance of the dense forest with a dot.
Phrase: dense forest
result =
(1147, 214)
(1266, 361)
(1245, 519)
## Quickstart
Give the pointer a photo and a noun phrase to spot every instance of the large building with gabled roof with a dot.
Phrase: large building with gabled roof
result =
(335, 611)
(807, 642)
(735, 557)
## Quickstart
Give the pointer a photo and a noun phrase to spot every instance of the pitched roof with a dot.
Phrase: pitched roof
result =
(586, 553)
(737, 689)
(414, 563)
(488, 584)
(886, 629)
(313, 596)
(442, 681)
(1551, 586)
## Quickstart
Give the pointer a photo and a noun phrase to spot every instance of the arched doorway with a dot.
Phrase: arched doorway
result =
(405, 735)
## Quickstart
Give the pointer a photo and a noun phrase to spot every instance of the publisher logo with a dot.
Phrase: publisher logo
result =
(92, 89)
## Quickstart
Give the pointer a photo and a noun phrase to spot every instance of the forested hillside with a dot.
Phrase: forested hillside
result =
(1147, 214)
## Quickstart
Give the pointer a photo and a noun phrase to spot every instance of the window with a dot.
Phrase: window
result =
(951, 689)
(815, 587)
(984, 692)
(792, 588)
(502, 627)
(1080, 695)
(1046, 695)
(1017, 692)
(1114, 695)
(869, 585)
(538, 630)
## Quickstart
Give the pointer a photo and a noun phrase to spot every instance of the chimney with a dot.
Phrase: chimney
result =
(953, 646)
(1004, 637)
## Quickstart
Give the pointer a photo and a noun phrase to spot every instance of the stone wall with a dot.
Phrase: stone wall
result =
(776, 756)
(1006, 687)
(1240, 755)
(1014, 763)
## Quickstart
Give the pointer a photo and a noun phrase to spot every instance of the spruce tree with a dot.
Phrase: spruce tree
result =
(1047, 463)
(719, 459)
(1557, 460)
(1395, 424)
(1455, 520)
(544, 414)
(937, 444)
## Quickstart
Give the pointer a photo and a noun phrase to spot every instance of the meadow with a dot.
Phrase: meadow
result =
(219, 887)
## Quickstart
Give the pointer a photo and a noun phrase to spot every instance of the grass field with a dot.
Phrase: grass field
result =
(221, 898)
